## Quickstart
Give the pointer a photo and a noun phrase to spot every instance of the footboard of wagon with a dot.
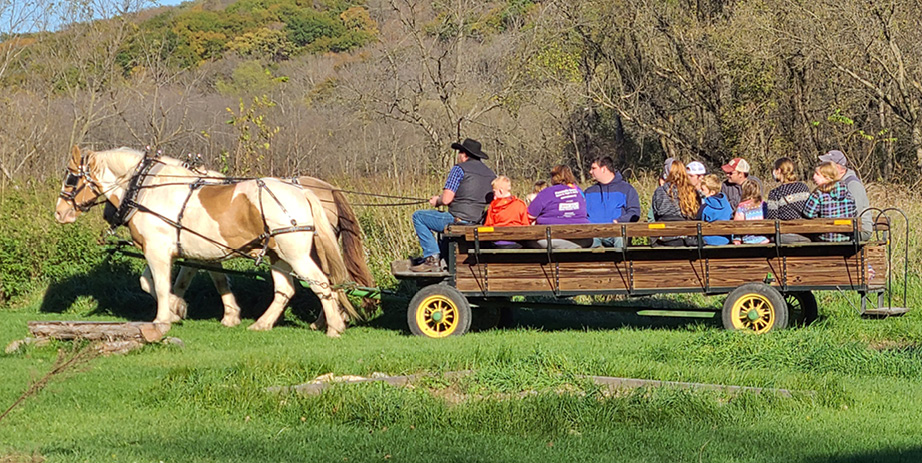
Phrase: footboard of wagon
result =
(476, 268)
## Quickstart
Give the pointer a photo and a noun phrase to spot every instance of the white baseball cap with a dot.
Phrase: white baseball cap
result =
(695, 168)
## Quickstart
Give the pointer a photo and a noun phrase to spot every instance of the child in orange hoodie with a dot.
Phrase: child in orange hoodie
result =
(506, 210)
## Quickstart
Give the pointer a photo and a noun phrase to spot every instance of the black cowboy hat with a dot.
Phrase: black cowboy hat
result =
(471, 147)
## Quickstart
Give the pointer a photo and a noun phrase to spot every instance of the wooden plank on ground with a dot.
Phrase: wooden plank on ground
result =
(99, 331)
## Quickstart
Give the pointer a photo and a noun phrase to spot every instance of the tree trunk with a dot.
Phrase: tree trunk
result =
(917, 141)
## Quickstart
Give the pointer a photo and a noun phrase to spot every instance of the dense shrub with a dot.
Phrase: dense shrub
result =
(35, 250)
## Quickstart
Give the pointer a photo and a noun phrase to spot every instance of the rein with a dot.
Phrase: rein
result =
(408, 200)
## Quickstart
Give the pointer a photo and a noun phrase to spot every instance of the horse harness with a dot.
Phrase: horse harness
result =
(150, 167)
(73, 179)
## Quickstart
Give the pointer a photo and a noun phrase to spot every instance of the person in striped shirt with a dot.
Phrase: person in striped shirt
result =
(786, 201)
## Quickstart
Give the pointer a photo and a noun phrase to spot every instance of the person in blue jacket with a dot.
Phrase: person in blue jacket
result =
(715, 207)
(611, 199)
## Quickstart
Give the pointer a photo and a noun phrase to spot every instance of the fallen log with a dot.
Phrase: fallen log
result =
(144, 332)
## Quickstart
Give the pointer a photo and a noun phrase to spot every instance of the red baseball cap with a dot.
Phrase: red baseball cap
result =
(736, 164)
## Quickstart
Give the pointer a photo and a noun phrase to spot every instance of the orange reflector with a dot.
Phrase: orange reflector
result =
(484, 229)
(842, 222)
(656, 226)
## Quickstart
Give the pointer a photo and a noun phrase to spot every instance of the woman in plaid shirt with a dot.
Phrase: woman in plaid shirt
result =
(831, 199)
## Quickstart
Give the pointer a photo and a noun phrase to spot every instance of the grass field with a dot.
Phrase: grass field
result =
(855, 381)
(856, 386)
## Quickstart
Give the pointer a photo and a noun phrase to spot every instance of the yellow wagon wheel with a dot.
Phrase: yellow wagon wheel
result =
(439, 311)
(756, 308)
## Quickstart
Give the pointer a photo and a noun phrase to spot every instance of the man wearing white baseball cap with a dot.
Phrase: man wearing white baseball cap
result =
(855, 188)
(737, 171)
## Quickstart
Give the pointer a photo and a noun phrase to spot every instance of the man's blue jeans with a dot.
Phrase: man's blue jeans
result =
(427, 221)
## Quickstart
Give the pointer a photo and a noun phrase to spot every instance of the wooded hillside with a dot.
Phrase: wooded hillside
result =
(382, 87)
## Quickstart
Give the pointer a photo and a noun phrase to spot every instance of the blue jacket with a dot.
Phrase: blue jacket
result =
(716, 208)
(616, 200)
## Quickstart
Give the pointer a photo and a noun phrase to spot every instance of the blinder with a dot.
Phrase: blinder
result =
(72, 181)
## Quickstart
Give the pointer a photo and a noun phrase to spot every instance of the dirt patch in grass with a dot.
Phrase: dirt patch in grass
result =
(22, 458)
(892, 344)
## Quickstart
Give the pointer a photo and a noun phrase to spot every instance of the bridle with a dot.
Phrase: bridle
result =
(72, 180)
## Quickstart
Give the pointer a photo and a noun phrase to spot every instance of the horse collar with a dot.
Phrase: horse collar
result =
(129, 204)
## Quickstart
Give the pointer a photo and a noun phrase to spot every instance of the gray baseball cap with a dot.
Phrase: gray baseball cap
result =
(667, 166)
(835, 156)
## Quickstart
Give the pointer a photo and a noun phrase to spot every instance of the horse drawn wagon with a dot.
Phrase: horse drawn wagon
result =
(768, 286)
(183, 215)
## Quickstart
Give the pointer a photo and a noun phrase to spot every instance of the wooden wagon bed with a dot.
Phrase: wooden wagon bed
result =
(479, 269)
(767, 283)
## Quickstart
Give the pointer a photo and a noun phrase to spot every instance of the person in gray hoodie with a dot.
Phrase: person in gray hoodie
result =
(855, 188)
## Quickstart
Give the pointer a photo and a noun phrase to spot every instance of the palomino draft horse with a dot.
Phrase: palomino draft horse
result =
(253, 218)
(338, 211)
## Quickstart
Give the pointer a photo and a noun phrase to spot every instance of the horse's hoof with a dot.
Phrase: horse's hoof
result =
(230, 322)
(179, 307)
(259, 327)
(333, 334)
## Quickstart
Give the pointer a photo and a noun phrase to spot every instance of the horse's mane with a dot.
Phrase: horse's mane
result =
(124, 159)
(173, 162)
(119, 159)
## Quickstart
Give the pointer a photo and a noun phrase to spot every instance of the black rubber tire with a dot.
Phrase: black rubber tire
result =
(492, 313)
(755, 307)
(802, 308)
(485, 318)
(454, 312)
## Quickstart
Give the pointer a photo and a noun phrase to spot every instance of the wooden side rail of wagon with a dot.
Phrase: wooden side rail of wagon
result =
(657, 229)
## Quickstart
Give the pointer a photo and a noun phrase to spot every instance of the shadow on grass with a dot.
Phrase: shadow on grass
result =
(564, 314)
(112, 289)
(880, 456)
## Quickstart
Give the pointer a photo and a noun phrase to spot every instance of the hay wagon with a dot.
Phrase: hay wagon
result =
(769, 286)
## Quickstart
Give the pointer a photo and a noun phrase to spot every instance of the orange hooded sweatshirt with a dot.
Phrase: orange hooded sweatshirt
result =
(507, 211)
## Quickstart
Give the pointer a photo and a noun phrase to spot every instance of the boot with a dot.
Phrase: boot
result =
(430, 264)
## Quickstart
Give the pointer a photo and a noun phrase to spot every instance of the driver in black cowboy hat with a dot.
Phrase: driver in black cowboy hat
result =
(467, 193)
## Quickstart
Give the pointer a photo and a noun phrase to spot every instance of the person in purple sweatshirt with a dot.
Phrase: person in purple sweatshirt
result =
(560, 203)
(611, 199)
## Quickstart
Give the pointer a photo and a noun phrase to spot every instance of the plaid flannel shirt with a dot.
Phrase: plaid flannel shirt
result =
(455, 175)
(837, 203)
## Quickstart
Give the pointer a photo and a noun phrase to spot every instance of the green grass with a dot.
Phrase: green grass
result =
(855, 381)
(523, 402)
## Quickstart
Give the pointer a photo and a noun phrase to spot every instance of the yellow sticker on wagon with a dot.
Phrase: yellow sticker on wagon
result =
(656, 226)
(842, 222)
(484, 229)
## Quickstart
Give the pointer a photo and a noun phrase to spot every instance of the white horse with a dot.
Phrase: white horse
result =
(210, 223)
(338, 211)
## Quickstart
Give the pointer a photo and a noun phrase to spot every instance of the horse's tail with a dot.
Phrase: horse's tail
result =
(353, 249)
(328, 252)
